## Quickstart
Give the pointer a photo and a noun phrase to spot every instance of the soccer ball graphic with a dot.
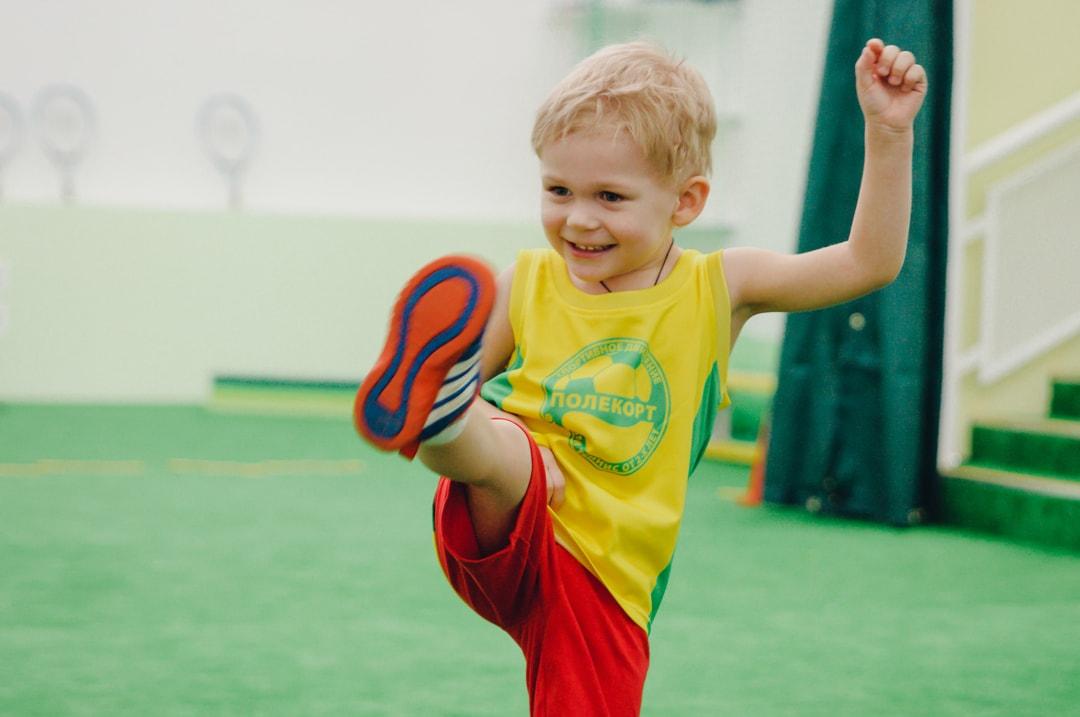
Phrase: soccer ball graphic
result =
(612, 398)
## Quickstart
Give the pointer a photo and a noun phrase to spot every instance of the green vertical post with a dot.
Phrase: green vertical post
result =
(855, 416)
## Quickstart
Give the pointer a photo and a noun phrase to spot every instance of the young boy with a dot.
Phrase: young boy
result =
(603, 361)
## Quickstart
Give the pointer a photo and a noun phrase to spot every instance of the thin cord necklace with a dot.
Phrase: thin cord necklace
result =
(662, 265)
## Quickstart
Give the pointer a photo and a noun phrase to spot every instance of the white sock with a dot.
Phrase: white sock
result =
(447, 418)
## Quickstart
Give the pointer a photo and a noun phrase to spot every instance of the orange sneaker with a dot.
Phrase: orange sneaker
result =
(429, 370)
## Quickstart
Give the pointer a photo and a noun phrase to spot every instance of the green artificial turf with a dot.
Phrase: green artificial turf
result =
(172, 561)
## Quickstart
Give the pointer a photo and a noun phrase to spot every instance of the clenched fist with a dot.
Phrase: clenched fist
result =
(891, 86)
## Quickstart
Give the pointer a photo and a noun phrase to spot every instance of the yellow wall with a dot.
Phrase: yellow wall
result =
(1023, 394)
(980, 182)
(1022, 60)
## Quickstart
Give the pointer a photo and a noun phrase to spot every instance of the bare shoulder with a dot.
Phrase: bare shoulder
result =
(741, 264)
(506, 277)
(499, 334)
(504, 284)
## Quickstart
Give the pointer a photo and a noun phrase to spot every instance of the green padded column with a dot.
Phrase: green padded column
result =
(856, 410)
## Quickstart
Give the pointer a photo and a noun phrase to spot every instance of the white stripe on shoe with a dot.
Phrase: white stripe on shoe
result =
(464, 372)
(457, 403)
(453, 399)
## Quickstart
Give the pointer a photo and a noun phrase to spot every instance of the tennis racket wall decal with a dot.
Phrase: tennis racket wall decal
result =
(229, 132)
(11, 134)
(65, 124)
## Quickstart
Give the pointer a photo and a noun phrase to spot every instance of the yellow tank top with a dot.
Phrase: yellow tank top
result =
(623, 388)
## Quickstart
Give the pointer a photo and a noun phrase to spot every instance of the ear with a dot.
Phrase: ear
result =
(692, 197)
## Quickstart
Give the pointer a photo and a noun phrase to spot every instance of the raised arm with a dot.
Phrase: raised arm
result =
(890, 88)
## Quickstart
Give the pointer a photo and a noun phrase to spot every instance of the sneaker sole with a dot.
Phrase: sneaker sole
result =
(438, 318)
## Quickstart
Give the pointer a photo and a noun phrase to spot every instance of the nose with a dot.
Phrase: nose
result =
(580, 217)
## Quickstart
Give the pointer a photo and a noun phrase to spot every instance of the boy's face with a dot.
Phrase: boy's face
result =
(605, 211)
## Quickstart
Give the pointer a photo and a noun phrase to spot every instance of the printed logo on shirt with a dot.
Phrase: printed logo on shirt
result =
(616, 391)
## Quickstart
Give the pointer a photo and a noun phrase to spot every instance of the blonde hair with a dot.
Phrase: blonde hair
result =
(662, 103)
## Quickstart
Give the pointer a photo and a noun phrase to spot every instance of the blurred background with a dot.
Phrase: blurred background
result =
(378, 135)
(206, 209)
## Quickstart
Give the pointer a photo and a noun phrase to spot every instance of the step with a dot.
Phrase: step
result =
(284, 396)
(748, 410)
(751, 398)
(1049, 447)
(744, 453)
(1013, 505)
(1065, 398)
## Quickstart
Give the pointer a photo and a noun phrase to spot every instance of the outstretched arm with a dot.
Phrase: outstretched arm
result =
(890, 88)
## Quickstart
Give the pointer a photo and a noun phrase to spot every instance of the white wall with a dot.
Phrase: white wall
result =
(784, 58)
(377, 108)
(783, 61)
(405, 108)
(408, 109)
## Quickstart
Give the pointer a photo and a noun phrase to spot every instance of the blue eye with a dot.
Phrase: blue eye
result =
(559, 191)
(610, 197)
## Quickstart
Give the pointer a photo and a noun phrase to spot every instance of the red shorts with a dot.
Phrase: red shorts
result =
(583, 654)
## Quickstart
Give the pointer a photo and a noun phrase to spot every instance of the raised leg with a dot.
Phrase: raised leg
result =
(491, 457)
(420, 397)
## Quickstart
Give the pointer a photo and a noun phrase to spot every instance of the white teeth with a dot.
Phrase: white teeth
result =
(589, 248)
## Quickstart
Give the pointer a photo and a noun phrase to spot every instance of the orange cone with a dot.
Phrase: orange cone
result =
(755, 489)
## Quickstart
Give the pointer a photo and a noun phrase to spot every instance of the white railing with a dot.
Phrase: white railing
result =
(1031, 261)
(1030, 231)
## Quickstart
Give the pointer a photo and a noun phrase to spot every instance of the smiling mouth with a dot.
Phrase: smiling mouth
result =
(591, 249)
